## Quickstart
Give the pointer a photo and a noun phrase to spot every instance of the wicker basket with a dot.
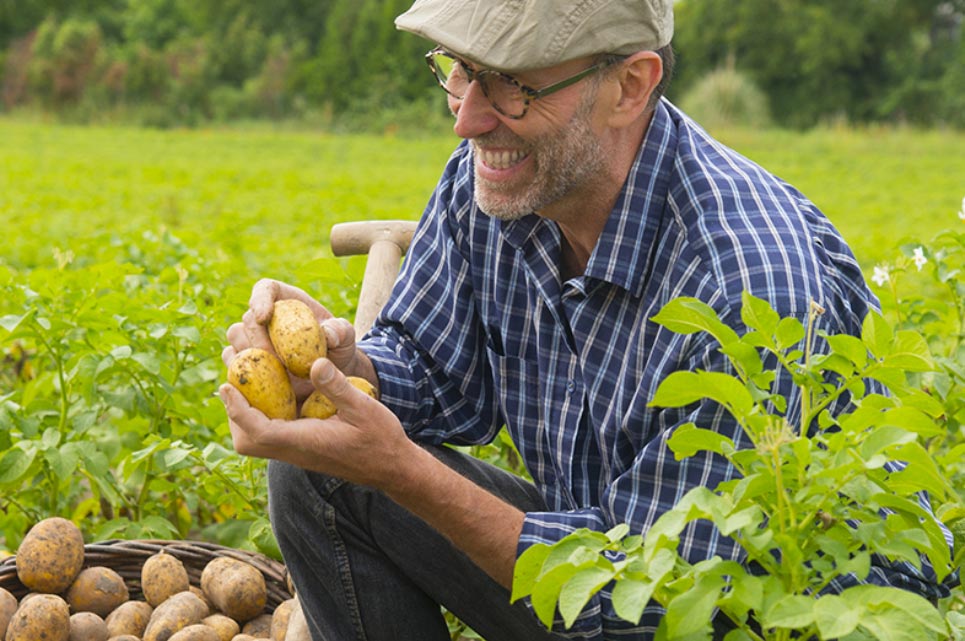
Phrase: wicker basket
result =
(127, 557)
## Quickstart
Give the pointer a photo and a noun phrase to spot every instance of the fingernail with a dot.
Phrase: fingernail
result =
(326, 371)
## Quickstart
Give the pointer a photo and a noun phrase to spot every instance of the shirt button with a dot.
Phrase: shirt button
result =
(570, 386)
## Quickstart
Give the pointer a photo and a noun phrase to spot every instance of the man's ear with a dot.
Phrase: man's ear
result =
(637, 77)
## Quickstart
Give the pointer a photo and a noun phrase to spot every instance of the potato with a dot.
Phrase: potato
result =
(45, 616)
(235, 588)
(50, 556)
(279, 620)
(87, 626)
(98, 589)
(196, 632)
(125, 637)
(198, 592)
(297, 626)
(8, 605)
(297, 337)
(317, 405)
(175, 614)
(129, 619)
(225, 626)
(163, 575)
(244, 637)
(264, 382)
(259, 627)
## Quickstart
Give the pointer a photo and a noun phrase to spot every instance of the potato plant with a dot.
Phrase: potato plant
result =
(808, 506)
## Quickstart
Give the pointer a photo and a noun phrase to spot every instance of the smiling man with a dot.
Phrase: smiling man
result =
(579, 203)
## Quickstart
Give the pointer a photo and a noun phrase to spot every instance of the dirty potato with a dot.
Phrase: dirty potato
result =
(129, 619)
(279, 620)
(163, 575)
(8, 605)
(196, 632)
(317, 405)
(51, 556)
(234, 588)
(297, 337)
(262, 378)
(175, 614)
(259, 627)
(45, 616)
(225, 626)
(98, 589)
(87, 626)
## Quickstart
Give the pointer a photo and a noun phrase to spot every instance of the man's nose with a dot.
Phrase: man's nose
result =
(475, 115)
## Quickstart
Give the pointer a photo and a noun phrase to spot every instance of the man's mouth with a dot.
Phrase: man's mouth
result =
(500, 159)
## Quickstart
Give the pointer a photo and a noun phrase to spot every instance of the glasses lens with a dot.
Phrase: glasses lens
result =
(504, 93)
(450, 74)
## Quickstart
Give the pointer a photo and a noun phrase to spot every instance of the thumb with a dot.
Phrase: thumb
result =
(331, 382)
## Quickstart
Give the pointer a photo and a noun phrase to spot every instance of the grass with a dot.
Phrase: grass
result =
(269, 195)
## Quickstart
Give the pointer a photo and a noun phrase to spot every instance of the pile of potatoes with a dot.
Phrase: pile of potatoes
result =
(298, 341)
(68, 602)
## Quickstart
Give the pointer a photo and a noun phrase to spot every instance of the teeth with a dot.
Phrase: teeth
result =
(500, 159)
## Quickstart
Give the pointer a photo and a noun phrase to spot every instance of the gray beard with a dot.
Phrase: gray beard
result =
(564, 161)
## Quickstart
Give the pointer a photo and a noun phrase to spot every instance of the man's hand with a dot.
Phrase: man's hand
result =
(363, 443)
(252, 331)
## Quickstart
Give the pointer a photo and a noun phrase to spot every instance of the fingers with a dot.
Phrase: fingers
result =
(340, 339)
(332, 383)
(266, 291)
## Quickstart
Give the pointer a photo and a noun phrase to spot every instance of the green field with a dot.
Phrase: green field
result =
(271, 196)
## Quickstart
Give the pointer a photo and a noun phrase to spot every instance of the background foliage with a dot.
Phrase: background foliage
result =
(342, 63)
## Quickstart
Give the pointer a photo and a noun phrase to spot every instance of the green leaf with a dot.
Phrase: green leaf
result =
(790, 332)
(913, 420)
(688, 316)
(527, 569)
(910, 352)
(893, 614)
(876, 334)
(792, 612)
(835, 617)
(758, 314)
(578, 591)
(630, 596)
(692, 611)
(679, 389)
(546, 592)
(688, 439)
(850, 347)
(15, 463)
(617, 532)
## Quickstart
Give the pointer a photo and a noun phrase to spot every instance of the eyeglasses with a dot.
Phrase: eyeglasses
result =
(507, 95)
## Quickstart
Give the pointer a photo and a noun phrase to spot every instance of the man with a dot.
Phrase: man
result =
(578, 205)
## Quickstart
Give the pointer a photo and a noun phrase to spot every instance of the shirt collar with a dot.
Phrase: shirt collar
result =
(623, 250)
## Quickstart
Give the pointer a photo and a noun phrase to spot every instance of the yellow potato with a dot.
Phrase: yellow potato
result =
(87, 626)
(225, 626)
(45, 616)
(98, 589)
(196, 632)
(264, 382)
(51, 556)
(129, 619)
(297, 337)
(234, 588)
(8, 605)
(259, 627)
(317, 405)
(279, 620)
(175, 614)
(163, 575)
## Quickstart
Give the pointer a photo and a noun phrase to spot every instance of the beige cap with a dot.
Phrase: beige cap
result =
(515, 35)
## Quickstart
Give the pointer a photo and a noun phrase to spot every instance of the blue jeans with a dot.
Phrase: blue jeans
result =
(366, 569)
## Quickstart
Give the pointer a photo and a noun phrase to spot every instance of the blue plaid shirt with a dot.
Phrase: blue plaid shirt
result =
(481, 331)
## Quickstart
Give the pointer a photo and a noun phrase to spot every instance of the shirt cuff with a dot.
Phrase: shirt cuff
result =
(397, 390)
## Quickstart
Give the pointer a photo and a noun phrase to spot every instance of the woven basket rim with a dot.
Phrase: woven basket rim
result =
(126, 556)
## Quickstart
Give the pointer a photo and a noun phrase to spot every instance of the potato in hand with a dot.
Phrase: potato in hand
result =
(262, 379)
(297, 337)
(320, 406)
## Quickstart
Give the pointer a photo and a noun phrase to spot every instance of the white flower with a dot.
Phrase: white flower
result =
(880, 276)
(919, 257)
